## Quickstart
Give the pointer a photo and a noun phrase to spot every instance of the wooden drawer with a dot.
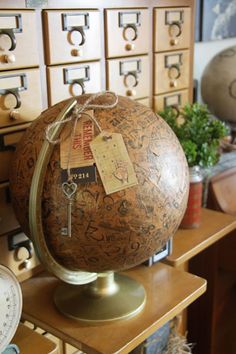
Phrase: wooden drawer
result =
(129, 76)
(16, 259)
(172, 28)
(126, 32)
(69, 349)
(8, 220)
(7, 147)
(144, 101)
(171, 71)
(72, 36)
(73, 80)
(20, 96)
(46, 334)
(175, 99)
(18, 39)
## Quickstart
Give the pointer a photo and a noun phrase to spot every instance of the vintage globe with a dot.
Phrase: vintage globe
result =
(218, 85)
(109, 232)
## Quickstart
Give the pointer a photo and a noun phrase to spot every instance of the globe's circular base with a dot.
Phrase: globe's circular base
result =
(109, 298)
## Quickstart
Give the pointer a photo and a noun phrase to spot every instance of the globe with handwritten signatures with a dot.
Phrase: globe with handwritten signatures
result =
(112, 231)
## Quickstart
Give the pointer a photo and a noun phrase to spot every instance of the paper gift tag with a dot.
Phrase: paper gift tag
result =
(81, 154)
(113, 162)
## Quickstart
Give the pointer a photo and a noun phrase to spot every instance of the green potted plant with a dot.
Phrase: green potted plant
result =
(199, 135)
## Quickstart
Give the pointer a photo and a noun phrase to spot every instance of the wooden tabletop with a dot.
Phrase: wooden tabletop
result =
(189, 242)
(30, 342)
(168, 290)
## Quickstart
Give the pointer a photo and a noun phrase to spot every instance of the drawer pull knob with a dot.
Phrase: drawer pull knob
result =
(173, 83)
(77, 52)
(9, 32)
(14, 115)
(174, 41)
(129, 46)
(26, 264)
(9, 58)
(130, 93)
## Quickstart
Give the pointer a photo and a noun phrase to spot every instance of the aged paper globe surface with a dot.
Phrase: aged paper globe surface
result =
(119, 230)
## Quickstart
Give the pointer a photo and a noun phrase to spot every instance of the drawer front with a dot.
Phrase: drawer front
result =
(7, 147)
(72, 36)
(144, 101)
(20, 97)
(8, 220)
(69, 349)
(18, 39)
(17, 259)
(126, 32)
(129, 76)
(176, 100)
(171, 71)
(73, 80)
(172, 28)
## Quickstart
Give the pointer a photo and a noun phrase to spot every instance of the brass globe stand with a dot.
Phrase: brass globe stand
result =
(110, 297)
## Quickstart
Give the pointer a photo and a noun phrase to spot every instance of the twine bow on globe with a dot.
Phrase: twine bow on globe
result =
(84, 233)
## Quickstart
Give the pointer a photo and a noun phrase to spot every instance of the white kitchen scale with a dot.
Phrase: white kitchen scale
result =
(10, 309)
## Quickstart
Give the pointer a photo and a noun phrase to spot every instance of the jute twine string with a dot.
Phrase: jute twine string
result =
(74, 118)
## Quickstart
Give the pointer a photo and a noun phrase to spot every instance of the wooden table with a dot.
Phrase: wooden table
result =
(187, 243)
(198, 251)
(30, 342)
(168, 290)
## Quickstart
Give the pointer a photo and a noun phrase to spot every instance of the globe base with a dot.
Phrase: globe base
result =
(110, 297)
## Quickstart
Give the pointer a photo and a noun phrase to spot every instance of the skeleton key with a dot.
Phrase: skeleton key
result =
(69, 189)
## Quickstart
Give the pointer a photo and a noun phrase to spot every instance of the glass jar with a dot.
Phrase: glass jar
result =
(192, 216)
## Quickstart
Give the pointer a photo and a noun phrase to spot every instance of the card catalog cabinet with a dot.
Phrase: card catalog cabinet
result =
(51, 51)
(172, 56)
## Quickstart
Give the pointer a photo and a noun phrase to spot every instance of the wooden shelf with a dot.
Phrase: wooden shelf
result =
(30, 342)
(189, 242)
(168, 290)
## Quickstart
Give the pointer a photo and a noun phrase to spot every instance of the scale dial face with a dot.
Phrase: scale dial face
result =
(10, 306)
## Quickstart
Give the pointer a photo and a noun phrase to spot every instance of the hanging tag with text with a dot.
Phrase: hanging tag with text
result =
(81, 161)
(113, 162)
(80, 154)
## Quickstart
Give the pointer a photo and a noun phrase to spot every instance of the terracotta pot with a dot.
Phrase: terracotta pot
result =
(192, 216)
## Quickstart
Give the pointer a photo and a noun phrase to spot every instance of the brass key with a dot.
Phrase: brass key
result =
(69, 189)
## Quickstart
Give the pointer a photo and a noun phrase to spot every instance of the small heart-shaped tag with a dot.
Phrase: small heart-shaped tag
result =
(69, 189)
